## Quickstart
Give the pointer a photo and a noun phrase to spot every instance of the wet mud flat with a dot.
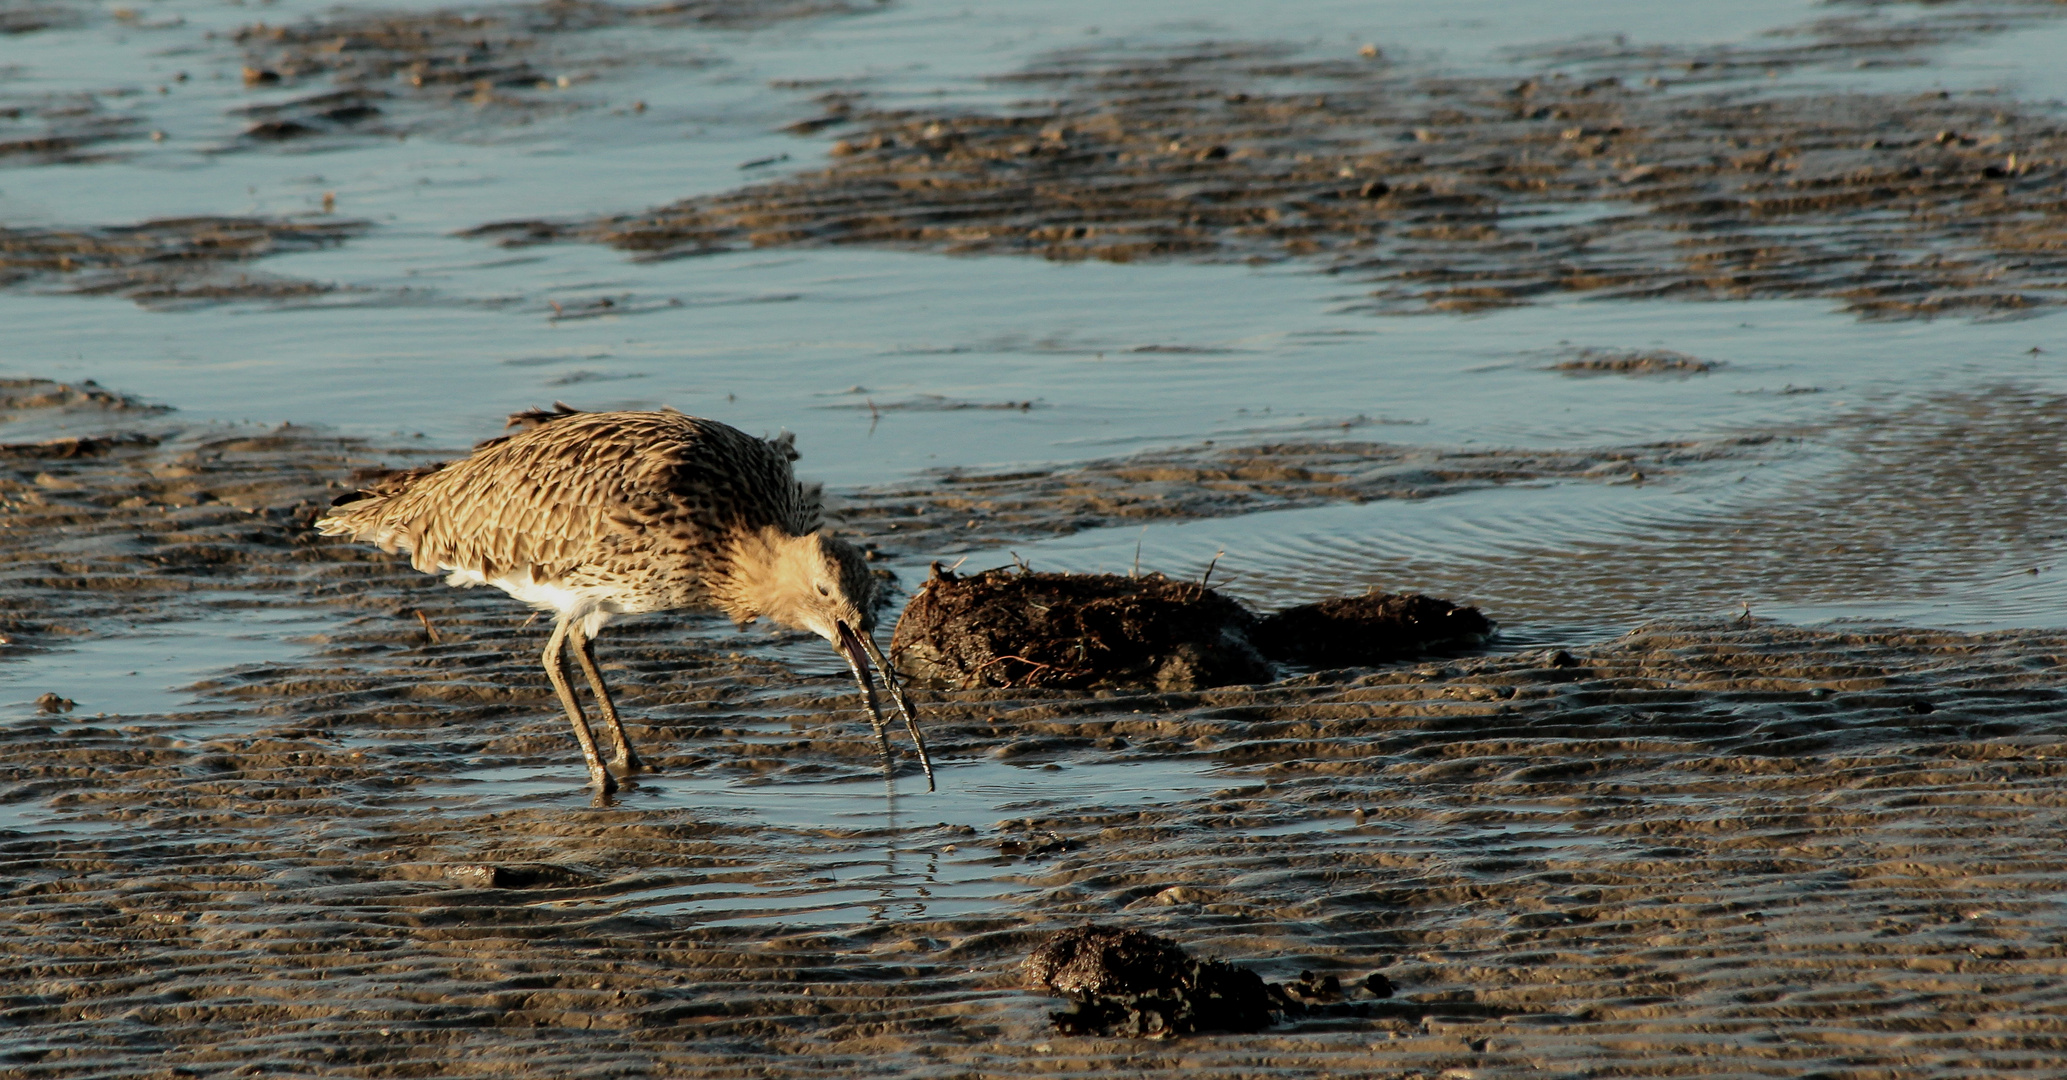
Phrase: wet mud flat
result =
(1928, 500)
(116, 510)
(172, 262)
(340, 81)
(49, 131)
(390, 74)
(1635, 173)
(1615, 170)
(1731, 848)
(953, 506)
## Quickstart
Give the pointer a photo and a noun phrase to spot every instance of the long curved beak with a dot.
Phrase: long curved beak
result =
(858, 649)
(903, 700)
(857, 662)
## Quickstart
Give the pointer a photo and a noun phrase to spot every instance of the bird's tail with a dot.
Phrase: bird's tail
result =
(358, 514)
(528, 419)
(531, 418)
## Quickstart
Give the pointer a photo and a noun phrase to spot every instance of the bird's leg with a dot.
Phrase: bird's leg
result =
(585, 652)
(556, 669)
(903, 700)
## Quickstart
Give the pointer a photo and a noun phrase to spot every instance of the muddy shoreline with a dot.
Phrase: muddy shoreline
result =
(1699, 839)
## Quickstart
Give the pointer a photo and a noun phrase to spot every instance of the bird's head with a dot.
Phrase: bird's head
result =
(822, 584)
(813, 582)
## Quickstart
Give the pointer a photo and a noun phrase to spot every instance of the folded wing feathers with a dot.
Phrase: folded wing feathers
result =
(550, 496)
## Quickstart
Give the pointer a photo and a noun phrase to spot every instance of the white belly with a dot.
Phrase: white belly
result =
(593, 606)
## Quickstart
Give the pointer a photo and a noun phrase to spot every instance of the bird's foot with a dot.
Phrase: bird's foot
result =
(631, 765)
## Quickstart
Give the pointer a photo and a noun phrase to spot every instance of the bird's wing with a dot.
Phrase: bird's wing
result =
(567, 493)
(540, 499)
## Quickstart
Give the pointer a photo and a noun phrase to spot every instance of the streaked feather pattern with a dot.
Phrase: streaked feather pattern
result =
(644, 504)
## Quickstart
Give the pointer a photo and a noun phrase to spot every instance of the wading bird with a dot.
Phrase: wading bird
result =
(592, 515)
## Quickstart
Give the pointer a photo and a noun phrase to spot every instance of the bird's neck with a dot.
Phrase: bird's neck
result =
(767, 576)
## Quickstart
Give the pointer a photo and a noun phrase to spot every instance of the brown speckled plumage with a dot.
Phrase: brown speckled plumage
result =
(643, 503)
(596, 514)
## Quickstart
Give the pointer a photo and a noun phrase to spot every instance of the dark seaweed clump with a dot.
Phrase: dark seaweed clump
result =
(1375, 628)
(1018, 629)
(1127, 982)
(1015, 628)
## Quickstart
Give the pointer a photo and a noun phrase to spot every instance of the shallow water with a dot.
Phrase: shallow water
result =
(1111, 358)
(1473, 832)
(151, 668)
(1563, 563)
(850, 849)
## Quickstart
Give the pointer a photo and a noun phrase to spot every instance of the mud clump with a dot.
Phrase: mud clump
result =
(1127, 982)
(1015, 628)
(1373, 629)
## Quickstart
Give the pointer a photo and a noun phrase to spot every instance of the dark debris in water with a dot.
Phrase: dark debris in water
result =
(354, 109)
(936, 403)
(41, 394)
(60, 129)
(26, 17)
(519, 875)
(75, 446)
(516, 60)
